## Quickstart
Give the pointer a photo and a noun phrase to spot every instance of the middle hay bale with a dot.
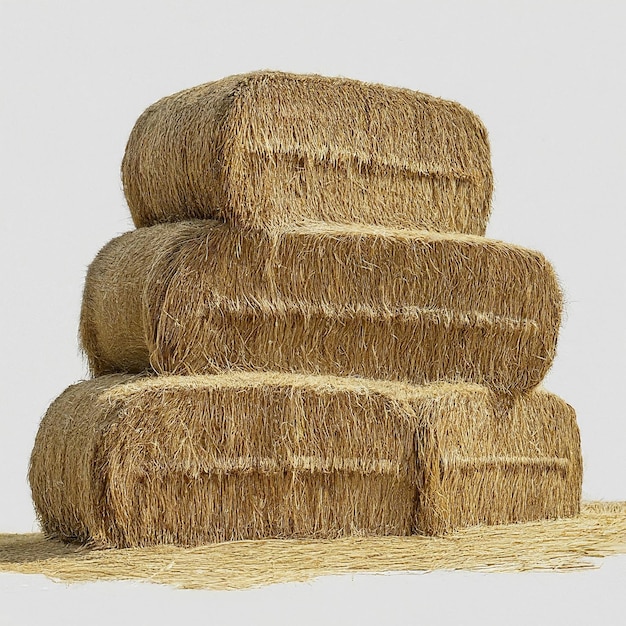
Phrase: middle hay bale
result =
(131, 461)
(204, 297)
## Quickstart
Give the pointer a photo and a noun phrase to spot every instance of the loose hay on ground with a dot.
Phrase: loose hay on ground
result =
(204, 297)
(268, 148)
(129, 461)
(564, 544)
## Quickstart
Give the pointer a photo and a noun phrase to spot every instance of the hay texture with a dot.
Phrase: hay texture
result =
(125, 461)
(268, 149)
(562, 545)
(204, 297)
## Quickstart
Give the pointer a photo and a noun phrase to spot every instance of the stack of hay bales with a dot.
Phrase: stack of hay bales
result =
(308, 334)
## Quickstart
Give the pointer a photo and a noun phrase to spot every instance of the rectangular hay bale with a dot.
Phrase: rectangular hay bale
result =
(131, 461)
(268, 148)
(204, 297)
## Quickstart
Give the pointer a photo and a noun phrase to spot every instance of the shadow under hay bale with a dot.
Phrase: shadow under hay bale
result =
(129, 461)
(267, 149)
(203, 297)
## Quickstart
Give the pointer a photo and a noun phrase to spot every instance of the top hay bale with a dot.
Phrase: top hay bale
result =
(269, 149)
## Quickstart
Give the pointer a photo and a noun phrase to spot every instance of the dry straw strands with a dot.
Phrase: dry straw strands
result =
(268, 149)
(197, 460)
(564, 544)
(130, 461)
(204, 297)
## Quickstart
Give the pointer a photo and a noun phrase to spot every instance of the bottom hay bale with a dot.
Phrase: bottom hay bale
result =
(129, 461)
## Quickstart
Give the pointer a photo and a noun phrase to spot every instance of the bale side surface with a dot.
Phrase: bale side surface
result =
(130, 461)
(205, 297)
(191, 461)
(267, 149)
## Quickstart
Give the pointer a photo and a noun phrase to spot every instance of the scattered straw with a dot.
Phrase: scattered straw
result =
(204, 297)
(562, 545)
(268, 149)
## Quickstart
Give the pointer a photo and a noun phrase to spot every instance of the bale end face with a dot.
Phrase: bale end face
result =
(510, 459)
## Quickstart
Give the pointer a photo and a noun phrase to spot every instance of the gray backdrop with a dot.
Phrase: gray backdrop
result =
(546, 77)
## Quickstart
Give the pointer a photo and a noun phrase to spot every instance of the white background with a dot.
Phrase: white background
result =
(546, 77)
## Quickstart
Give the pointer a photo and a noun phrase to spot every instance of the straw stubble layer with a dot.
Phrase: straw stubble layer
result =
(204, 297)
(267, 149)
(131, 461)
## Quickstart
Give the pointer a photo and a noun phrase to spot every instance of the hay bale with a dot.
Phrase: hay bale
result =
(268, 149)
(203, 297)
(488, 459)
(130, 461)
(193, 460)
